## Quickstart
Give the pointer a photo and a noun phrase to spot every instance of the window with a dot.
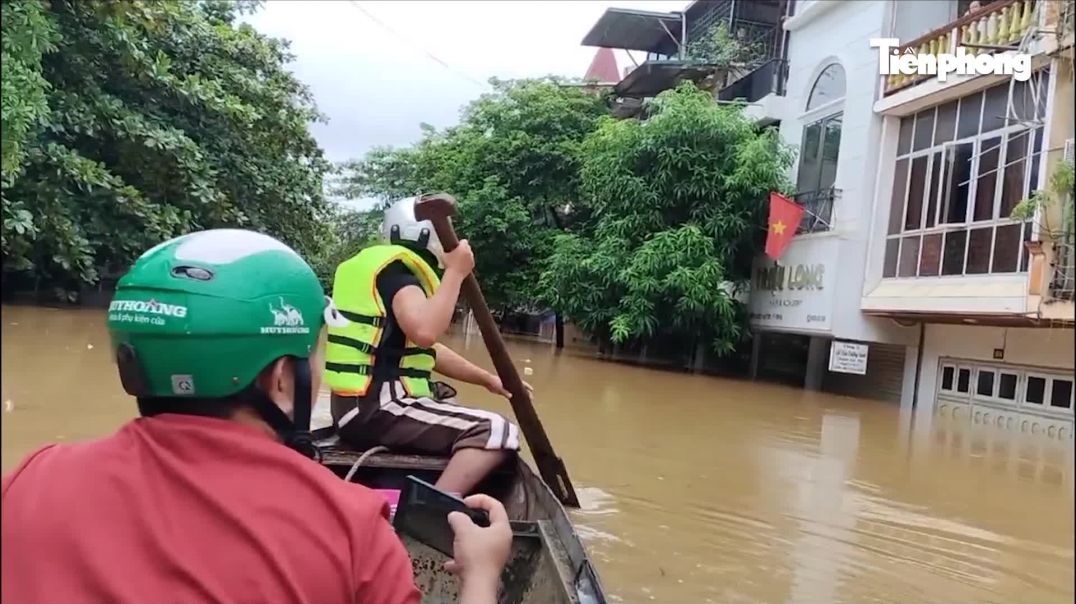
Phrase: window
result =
(948, 372)
(819, 153)
(1007, 386)
(963, 380)
(961, 168)
(1036, 390)
(1061, 394)
(828, 87)
(1043, 392)
(986, 383)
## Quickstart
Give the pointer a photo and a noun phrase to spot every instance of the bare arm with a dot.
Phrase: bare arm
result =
(451, 365)
(423, 319)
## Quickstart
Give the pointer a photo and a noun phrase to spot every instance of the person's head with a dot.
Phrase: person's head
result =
(400, 227)
(221, 323)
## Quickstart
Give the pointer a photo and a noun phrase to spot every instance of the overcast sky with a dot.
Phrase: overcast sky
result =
(376, 82)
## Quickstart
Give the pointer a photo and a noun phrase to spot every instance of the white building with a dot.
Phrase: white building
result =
(908, 245)
(994, 294)
(827, 112)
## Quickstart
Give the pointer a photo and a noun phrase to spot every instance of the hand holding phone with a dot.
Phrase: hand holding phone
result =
(474, 532)
(423, 514)
(480, 553)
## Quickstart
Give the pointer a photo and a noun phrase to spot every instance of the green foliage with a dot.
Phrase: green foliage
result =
(385, 173)
(679, 201)
(638, 231)
(27, 35)
(1059, 194)
(347, 232)
(720, 48)
(513, 163)
(133, 121)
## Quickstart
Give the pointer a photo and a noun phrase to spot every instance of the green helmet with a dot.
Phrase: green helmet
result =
(202, 314)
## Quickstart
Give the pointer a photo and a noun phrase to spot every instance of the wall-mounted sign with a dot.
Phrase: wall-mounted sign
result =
(798, 291)
(848, 357)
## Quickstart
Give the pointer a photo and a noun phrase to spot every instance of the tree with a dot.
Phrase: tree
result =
(719, 48)
(134, 121)
(348, 232)
(512, 162)
(679, 201)
(386, 173)
(1052, 205)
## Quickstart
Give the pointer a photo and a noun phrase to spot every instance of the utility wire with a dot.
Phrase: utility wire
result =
(413, 44)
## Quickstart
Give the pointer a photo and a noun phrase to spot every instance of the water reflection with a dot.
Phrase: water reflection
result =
(699, 489)
(823, 508)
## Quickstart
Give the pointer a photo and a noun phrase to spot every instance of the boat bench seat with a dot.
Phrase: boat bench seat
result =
(335, 453)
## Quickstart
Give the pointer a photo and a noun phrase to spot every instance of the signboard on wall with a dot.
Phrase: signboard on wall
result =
(796, 292)
(848, 357)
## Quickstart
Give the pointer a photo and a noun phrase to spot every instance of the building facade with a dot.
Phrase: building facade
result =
(666, 40)
(908, 250)
(909, 279)
(992, 290)
(808, 300)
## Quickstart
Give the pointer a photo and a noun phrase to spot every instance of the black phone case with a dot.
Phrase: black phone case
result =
(423, 514)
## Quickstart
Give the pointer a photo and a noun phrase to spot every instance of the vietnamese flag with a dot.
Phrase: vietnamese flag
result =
(785, 216)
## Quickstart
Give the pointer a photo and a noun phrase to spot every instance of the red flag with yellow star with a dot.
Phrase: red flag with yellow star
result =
(785, 216)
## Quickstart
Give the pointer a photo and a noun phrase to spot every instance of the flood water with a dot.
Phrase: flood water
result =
(700, 489)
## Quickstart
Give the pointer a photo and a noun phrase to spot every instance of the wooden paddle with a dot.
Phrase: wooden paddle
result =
(439, 209)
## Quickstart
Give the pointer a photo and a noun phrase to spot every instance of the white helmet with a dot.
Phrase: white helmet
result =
(400, 226)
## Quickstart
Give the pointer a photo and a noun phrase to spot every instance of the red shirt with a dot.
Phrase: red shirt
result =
(184, 509)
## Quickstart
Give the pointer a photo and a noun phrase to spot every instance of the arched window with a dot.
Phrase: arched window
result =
(819, 149)
(828, 87)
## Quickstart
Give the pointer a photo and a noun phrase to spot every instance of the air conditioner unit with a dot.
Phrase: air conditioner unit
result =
(1070, 150)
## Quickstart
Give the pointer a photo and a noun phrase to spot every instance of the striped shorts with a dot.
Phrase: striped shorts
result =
(420, 425)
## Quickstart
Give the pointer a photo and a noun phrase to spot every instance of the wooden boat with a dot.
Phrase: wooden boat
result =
(548, 564)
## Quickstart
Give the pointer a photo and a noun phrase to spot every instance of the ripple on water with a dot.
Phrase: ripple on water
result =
(971, 555)
(701, 489)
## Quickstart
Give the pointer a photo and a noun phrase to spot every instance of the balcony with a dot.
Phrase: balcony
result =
(675, 43)
(769, 78)
(996, 27)
(646, 31)
(656, 76)
(1063, 283)
(763, 89)
(660, 35)
(818, 210)
(1052, 280)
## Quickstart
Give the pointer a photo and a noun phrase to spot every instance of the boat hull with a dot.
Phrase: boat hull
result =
(548, 564)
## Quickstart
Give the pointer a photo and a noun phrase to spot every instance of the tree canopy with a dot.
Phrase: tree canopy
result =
(131, 121)
(679, 202)
(128, 122)
(636, 230)
(513, 163)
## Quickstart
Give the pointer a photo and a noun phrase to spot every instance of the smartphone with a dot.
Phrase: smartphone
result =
(422, 514)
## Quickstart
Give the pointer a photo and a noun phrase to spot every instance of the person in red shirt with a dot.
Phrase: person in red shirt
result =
(217, 335)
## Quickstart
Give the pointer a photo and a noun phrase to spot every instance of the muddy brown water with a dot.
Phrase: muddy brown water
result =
(700, 489)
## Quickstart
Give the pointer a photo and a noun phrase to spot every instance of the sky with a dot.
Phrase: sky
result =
(370, 68)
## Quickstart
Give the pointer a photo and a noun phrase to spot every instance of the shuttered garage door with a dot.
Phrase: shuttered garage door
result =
(782, 357)
(883, 380)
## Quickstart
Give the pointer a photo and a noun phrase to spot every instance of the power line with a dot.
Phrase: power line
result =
(413, 44)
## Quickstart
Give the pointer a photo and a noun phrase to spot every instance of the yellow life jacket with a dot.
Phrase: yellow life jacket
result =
(352, 349)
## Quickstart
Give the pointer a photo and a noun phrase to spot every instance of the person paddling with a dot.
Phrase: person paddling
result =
(383, 345)
(217, 335)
